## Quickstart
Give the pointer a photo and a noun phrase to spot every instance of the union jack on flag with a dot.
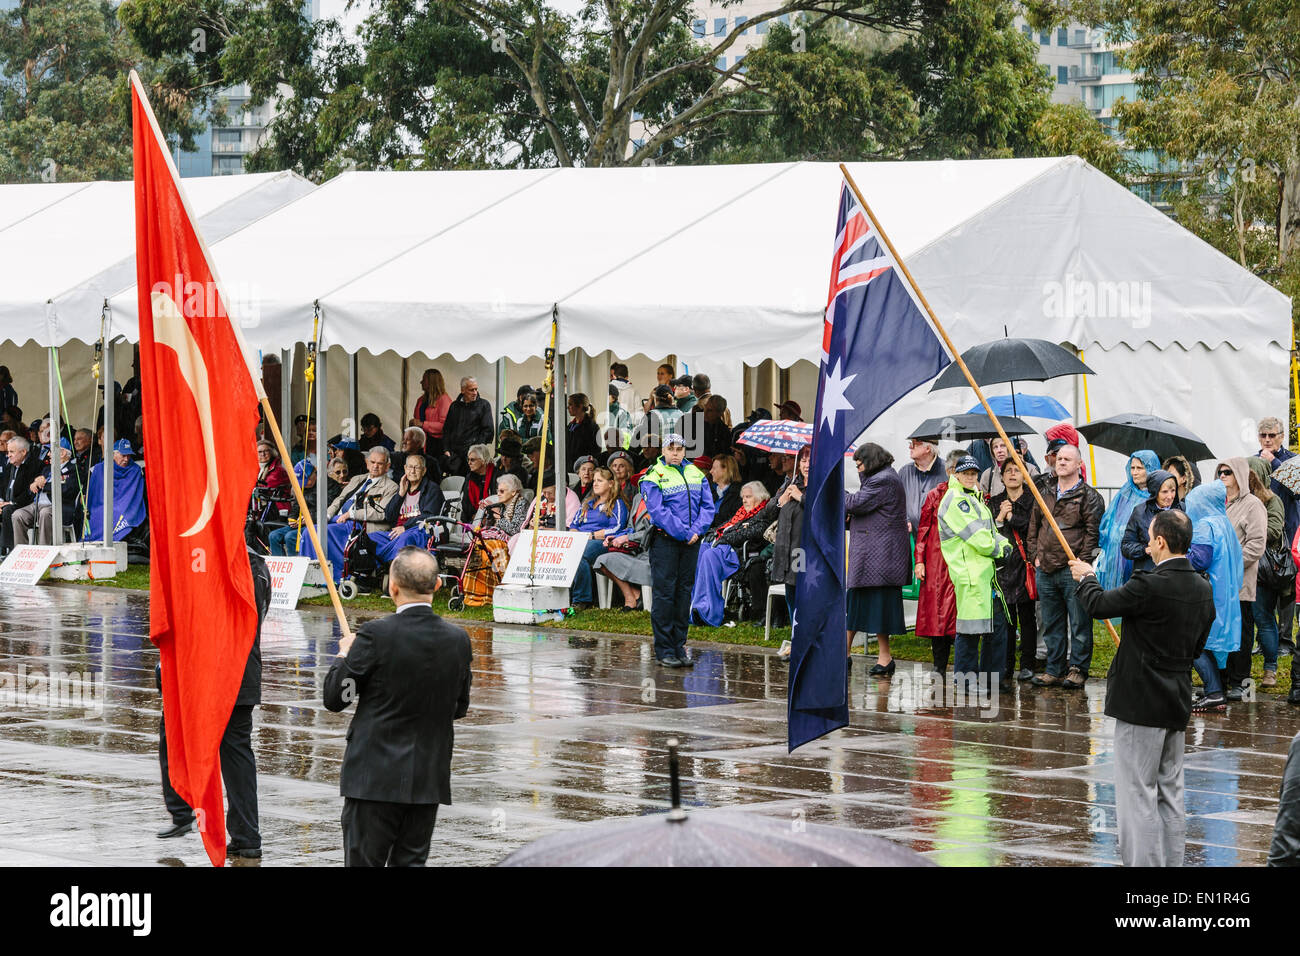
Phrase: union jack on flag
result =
(877, 345)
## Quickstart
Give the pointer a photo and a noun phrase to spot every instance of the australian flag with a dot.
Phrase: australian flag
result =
(877, 345)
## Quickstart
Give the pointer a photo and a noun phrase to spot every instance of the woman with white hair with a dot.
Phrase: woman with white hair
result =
(479, 482)
(719, 554)
(499, 518)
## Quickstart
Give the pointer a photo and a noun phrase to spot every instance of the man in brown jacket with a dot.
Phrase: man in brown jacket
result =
(1077, 508)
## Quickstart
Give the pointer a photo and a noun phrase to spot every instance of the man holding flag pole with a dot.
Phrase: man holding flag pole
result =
(202, 610)
(880, 340)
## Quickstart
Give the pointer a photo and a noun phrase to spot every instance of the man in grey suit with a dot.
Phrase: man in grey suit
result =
(411, 671)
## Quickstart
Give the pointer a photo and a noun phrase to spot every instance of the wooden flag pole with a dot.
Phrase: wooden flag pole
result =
(305, 513)
(1011, 448)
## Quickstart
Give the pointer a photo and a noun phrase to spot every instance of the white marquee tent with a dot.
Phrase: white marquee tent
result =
(728, 264)
(68, 247)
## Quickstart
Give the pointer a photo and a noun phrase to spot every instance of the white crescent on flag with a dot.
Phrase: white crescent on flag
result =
(171, 329)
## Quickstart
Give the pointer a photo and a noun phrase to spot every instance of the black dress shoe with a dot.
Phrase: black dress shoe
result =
(1294, 696)
(885, 671)
(176, 829)
(247, 852)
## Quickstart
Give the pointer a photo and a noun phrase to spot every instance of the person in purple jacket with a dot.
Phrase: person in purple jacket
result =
(880, 555)
(680, 504)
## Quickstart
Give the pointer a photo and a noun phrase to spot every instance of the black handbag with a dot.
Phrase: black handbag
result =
(1277, 570)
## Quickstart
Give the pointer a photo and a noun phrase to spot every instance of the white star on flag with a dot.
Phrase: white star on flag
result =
(833, 400)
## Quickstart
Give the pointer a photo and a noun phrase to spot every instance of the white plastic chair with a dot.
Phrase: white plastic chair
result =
(773, 590)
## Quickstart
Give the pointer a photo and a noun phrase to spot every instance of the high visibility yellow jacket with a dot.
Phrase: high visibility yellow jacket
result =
(970, 542)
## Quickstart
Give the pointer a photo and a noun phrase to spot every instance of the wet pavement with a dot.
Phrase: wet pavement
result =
(566, 729)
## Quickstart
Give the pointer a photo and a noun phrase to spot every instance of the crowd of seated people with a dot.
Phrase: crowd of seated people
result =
(387, 486)
(29, 453)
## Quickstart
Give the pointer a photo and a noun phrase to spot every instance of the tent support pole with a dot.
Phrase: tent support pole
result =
(352, 397)
(107, 382)
(322, 454)
(286, 396)
(561, 419)
(501, 388)
(55, 487)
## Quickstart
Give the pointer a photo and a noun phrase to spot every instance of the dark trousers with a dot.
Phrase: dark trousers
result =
(1023, 621)
(984, 653)
(1238, 666)
(672, 571)
(941, 648)
(1067, 628)
(7, 529)
(238, 772)
(377, 833)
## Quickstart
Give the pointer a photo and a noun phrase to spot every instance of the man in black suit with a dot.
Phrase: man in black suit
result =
(238, 766)
(1167, 614)
(16, 492)
(412, 673)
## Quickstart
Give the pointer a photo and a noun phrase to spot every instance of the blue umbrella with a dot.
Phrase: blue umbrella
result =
(1022, 405)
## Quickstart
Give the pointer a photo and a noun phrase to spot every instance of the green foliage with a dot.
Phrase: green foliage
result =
(513, 83)
(1069, 129)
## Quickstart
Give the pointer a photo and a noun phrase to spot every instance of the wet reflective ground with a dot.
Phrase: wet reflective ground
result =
(564, 730)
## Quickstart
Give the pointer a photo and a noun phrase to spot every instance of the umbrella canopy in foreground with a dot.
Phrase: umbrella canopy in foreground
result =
(959, 427)
(1012, 360)
(711, 838)
(1130, 432)
(777, 436)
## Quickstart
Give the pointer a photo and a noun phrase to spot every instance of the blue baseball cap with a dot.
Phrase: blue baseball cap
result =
(967, 464)
(303, 470)
(123, 447)
(64, 443)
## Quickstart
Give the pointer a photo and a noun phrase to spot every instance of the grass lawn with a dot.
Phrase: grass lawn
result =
(905, 647)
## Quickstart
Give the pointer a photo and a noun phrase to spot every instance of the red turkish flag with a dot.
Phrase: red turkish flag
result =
(194, 378)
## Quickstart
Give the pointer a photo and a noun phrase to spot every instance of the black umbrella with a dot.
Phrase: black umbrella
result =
(957, 427)
(711, 838)
(1132, 432)
(1012, 360)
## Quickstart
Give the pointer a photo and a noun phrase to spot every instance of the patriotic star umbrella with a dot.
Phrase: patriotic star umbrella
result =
(782, 437)
(1287, 475)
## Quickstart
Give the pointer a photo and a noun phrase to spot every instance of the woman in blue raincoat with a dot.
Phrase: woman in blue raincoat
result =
(1113, 569)
(1207, 506)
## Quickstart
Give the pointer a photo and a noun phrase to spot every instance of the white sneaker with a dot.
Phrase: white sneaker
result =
(785, 649)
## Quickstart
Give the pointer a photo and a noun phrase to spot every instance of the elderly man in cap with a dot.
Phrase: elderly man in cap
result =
(39, 513)
(970, 542)
(684, 394)
(130, 504)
